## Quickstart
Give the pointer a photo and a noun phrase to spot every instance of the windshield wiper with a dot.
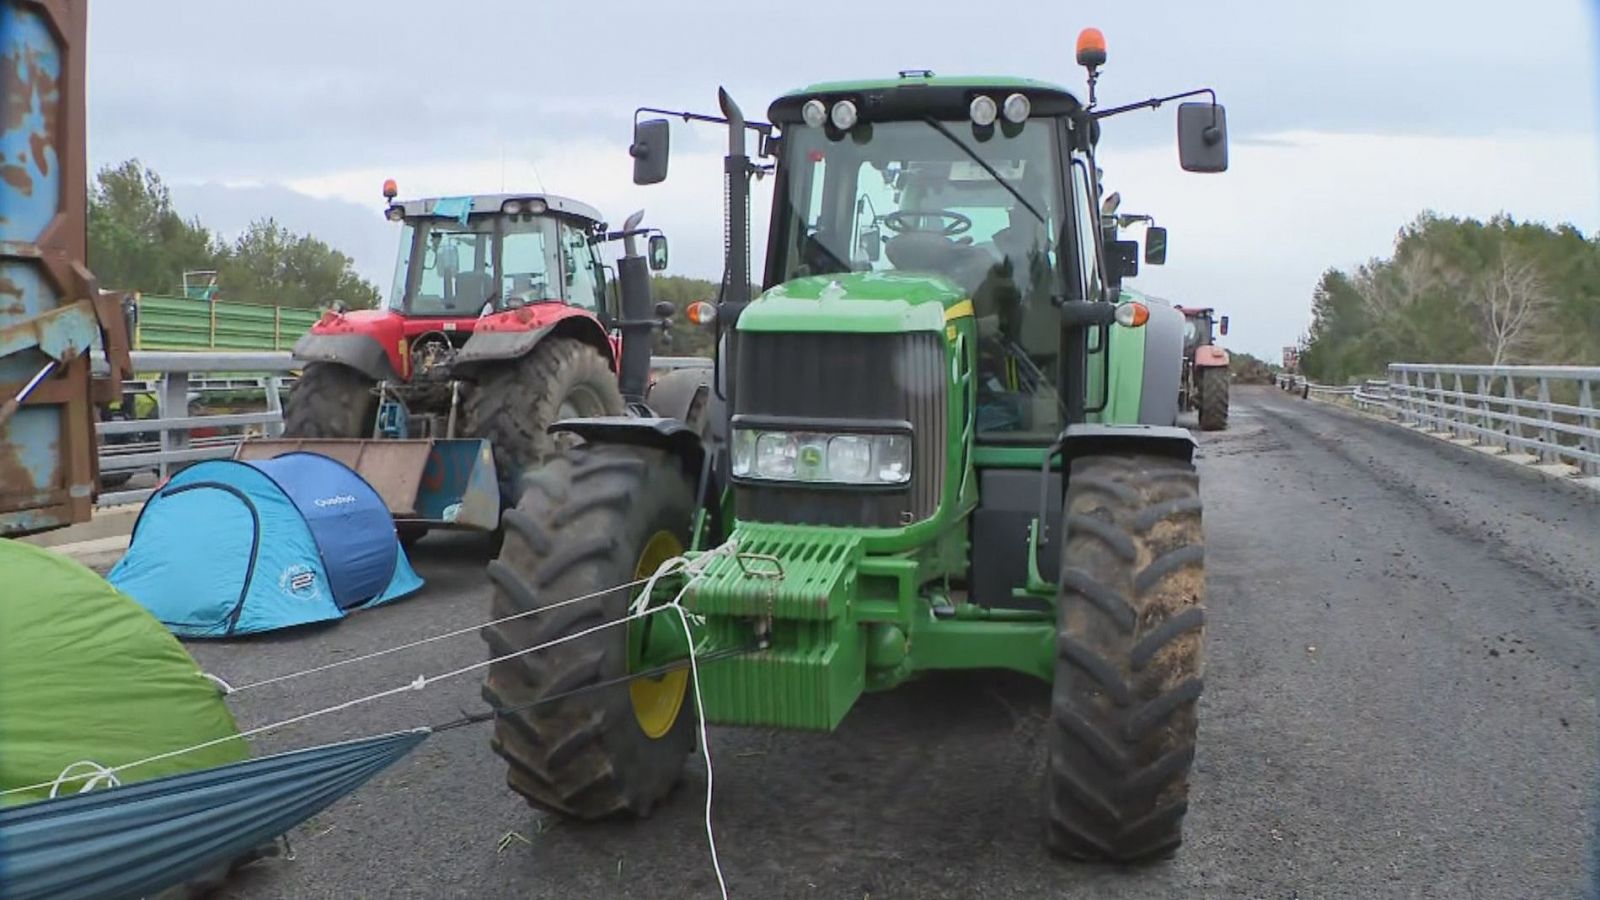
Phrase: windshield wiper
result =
(938, 126)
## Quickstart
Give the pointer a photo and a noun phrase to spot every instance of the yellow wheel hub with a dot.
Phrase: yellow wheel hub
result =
(656, 701)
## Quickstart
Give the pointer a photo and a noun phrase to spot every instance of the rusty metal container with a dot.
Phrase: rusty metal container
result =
(51, 311)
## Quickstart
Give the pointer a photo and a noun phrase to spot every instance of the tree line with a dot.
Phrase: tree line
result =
(139, 242)
(1460, 290)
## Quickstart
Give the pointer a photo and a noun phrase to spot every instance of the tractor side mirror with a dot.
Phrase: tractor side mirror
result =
(872, 244)
(1123, 258)
(1202, 137)
(1155, 245)
(1223, 325)
(658, 252)
(649, 151)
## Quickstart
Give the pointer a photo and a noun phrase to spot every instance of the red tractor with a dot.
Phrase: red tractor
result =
(501, 321)
(1205, 368)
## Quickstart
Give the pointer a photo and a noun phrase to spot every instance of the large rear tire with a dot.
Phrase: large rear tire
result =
(330, 400)
(590, 519)
(516, 401)
(1130, 621)
(1213, 398)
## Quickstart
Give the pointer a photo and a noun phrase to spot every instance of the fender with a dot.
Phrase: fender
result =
(361, 352)
(671, 435)
(1210, 355)
(514, 333)
(1163, 366)
(1162, 440)
(674, 393)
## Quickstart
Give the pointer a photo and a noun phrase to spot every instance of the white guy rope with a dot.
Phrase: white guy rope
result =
(427, 640)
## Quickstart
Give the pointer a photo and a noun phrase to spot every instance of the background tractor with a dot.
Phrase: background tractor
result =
(1206, 368)
(502, 319)
(937, 441)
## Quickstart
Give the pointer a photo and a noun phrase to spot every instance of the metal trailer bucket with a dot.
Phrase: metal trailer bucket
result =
(437, 483)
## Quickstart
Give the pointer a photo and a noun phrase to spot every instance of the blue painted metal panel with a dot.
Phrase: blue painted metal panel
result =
(44, 470)
(459, 486)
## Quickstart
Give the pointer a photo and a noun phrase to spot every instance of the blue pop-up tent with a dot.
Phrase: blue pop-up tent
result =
(227, 548)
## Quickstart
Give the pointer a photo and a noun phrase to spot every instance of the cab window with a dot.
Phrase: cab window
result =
(580, 269)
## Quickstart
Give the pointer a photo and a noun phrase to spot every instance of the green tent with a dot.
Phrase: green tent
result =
(87, 674)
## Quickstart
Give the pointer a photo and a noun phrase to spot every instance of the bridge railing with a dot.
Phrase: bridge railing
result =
(1549, 413)
(1545, 411)
(175, 437)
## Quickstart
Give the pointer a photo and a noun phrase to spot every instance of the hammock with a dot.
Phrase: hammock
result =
(143, 838)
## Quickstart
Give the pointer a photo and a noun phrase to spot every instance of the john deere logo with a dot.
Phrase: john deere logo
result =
(299, 581)
(810, 456)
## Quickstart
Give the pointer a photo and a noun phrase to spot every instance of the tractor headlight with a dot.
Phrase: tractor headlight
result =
(1016, 108)
(844, 115)
(814, 113)
(820, 457)
(983, 111)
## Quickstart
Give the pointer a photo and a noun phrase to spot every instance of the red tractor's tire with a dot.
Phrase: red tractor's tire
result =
(1130, 628)
(330, 400)
(594, 517)
(1213, 384)
(517, 400)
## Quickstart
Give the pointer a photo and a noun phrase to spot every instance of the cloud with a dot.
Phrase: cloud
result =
(358, 230)
(1254, 241)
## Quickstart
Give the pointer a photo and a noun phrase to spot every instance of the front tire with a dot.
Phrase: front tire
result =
(592, 518)
(517, 400)
(1130, 625)
(330, 400)
(1213, 398)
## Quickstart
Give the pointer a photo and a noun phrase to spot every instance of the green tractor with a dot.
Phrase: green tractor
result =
(935, 443)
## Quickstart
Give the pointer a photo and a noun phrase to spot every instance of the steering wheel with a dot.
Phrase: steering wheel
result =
(956, 224)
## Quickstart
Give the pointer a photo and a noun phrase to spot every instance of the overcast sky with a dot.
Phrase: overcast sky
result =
(1346, 118)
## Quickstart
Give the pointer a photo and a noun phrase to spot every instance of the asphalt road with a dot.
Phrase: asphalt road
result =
(1400, 702)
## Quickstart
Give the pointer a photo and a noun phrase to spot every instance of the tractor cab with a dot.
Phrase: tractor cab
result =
(467, 257)
(1200, 327)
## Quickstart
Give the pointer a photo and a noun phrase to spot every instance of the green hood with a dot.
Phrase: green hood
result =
(862, 302)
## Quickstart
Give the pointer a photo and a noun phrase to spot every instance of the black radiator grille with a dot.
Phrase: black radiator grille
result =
(806, 376)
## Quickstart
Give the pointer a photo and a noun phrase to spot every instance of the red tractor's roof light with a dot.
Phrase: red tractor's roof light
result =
(1091, 48)
(390, 189)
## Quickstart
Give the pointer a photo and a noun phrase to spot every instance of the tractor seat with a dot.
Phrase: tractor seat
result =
(916, 251)
(472, 290)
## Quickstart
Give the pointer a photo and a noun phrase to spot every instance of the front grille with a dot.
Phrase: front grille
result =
(818, 377)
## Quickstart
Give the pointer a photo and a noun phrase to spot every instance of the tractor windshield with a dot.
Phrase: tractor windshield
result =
(449, 269)
(924, 197)
(986, 212)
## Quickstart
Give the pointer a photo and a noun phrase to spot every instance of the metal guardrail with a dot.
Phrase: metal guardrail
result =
(183, 373)
(173, 424)
(1546, 413)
